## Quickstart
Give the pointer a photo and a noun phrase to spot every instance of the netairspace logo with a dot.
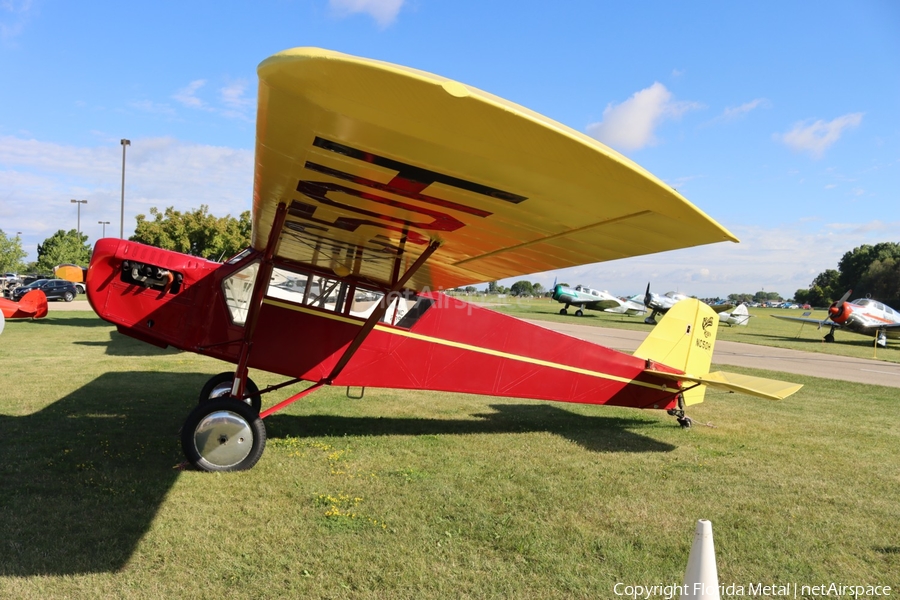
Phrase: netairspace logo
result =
(752, 590)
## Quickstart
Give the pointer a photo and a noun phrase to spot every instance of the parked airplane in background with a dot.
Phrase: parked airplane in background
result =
(32, 305)
(740, 316)
(586, 298)
(864, 316)
(661, 304)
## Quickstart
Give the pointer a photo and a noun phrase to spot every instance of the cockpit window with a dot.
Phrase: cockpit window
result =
(238, 288)
(239, 256)
(342, 297)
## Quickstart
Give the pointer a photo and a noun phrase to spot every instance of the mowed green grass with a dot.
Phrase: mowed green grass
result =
(421, 495)
(762, 328)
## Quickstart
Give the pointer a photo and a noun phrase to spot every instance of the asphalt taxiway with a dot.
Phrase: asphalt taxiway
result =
(815, 364)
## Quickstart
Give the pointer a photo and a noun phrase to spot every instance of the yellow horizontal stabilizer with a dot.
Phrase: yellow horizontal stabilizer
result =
(770, 389)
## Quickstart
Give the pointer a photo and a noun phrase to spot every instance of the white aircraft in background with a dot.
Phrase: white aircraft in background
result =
(661, 304)
(739, 317)
(585, 298)
(864, 316)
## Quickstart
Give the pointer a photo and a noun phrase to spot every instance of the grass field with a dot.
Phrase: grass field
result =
(762, 329)
(422, 495)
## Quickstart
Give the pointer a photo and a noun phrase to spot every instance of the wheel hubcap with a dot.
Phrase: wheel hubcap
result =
(223, 438)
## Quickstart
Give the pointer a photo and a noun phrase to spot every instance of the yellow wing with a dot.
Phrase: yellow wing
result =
(375, 160)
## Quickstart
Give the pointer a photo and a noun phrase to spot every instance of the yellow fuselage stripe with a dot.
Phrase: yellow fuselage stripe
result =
(462, 346)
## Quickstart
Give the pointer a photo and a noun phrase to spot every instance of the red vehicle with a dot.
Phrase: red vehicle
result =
(377, 186)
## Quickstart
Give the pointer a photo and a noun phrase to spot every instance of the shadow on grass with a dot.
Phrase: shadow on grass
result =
(68, 321)
(594, 433)
(82, 479)
(122, 345)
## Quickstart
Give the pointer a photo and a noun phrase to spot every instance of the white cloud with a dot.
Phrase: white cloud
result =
(151, 107)
(39, 178)
(383, 11)
(780, 259)
(631, 124)
(817, 137)
(233, 95)
(188, 95)
(732, 113)
(14, 16)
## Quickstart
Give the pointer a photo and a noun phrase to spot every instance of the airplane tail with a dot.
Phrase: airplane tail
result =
(685, 339)
(35, 303)
(741, 315)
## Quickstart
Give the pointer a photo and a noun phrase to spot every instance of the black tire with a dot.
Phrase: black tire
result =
(69, 296)
(223, 434)
(829, 338)
(219, 386)
(563, 311)
(579, 313)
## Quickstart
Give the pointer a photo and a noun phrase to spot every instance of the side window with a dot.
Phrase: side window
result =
(342, 297)
(238, 288)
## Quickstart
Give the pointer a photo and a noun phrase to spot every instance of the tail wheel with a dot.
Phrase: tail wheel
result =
(219, 386)
(223, 434)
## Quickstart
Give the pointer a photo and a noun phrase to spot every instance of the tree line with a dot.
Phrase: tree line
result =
(867, 270)
(194, 232)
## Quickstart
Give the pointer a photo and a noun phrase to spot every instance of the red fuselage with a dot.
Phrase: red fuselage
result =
(440, 343)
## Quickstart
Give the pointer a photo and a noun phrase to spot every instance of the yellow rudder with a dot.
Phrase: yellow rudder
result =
(684, 339)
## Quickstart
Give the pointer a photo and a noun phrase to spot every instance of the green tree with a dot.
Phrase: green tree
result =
(537, 289)
(195, 232)
(825, 288)
(11, 254)
(521, 288)
(855, 264)
(882, 280)
(61, 248)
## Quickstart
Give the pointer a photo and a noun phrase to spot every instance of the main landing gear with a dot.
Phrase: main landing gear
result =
(223, 434)
(578, 313)
(219, 386)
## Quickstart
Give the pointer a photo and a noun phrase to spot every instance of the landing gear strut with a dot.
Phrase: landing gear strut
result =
(683, 420)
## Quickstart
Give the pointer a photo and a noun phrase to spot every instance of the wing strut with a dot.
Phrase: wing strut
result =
(263, 278)
(367, 327)
(379, 311)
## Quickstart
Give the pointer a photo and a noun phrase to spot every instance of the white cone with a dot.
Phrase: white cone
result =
(701, 579)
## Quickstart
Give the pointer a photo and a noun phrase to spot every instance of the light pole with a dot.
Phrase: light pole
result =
(124, 143)
(79, 203)
(104, 223)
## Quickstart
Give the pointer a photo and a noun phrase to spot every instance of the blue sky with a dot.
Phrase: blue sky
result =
(779, 120)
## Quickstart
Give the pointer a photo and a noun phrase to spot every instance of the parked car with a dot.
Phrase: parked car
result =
(54, 289)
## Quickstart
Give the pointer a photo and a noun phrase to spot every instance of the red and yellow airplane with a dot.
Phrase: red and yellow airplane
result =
(376, 186)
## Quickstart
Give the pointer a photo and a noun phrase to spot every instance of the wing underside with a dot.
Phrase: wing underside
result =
(374, 161)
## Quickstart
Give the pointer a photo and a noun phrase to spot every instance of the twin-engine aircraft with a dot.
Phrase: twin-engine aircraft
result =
(375, 187)
(586, 298)
(864, 316)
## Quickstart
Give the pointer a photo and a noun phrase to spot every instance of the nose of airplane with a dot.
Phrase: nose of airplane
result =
(838, 312)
